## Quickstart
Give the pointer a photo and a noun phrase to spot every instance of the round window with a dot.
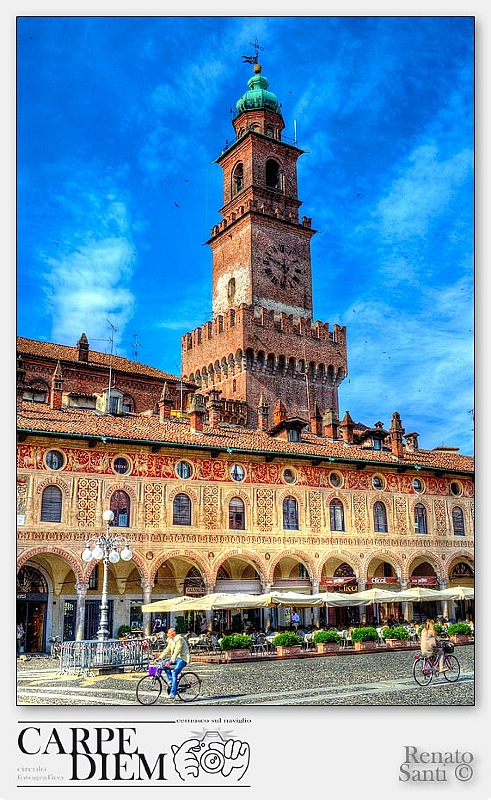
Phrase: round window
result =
(289, 476)
(335, 479)
(237, 472)
(377, 482)
(184, 469)
(418, 485)
(121, 465)
(54, 459)
(456, 488)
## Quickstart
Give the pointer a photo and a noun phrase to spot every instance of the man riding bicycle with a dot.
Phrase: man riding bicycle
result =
(178, 650)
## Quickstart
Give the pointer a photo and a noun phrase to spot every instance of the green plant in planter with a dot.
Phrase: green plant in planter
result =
(397, 632)
(123, 630)
(368, 634)
(331, 637)
(286, 639)
(459, 628)
(236, 641)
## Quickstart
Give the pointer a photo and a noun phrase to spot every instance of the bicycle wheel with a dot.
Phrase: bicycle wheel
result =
(148, 690)
(189, 686)
(422, 672)
(453, 668)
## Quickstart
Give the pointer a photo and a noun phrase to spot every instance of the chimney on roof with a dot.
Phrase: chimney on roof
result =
(57, 387)
(279, 413)
(262, 414)
(412, 443)
(316, 421)
(347, 426)
(21, 376)
(396, 433)
(165, 403)
(214, 407)
(197, 413)
(331, 423)
(83, 349)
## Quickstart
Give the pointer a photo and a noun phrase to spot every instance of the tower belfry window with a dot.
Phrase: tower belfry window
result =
(238, 179)
(273, 174)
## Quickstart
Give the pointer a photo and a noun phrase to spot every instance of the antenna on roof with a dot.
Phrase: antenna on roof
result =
(113, 331)
(136, 345)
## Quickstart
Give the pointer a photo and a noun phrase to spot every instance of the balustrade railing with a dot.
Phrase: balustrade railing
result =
(86, 655)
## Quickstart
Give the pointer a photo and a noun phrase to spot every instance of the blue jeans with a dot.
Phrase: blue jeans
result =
(173, 675)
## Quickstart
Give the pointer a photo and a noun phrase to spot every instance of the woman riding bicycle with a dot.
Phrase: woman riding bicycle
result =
(430, 644)
(178, 650)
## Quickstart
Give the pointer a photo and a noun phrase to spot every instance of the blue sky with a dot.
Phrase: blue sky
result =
(119, 121)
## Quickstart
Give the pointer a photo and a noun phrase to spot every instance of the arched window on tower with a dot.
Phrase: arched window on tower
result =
(273, 176)
(238, 178)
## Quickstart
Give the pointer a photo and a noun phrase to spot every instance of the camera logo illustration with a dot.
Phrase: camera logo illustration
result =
(213, 757)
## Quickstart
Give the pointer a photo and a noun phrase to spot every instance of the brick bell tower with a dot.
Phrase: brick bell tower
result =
(261, 345)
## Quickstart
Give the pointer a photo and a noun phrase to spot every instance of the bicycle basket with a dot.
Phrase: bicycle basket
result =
(447, 647)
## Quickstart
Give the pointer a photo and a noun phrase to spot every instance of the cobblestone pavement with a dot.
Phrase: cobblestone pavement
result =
(368, 679)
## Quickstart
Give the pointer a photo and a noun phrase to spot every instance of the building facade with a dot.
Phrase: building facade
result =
(243, 476)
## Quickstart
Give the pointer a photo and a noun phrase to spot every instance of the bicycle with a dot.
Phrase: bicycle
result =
(425, 667)
(149, 688)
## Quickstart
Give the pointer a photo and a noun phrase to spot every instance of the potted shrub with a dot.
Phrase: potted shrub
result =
(364, 638)
(398, 636)
(123, 630)
(327, 641)
(237, 646)
(288, 644)
(460, 632)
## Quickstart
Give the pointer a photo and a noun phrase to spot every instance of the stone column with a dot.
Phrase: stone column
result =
(210, 589)
(265, 589)
(147, 616)
(81, 589)
(447, 606)
(405, 606)
(363, 609)
(316, 609)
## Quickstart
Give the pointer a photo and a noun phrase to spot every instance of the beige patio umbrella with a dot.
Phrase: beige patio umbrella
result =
(417, 594)
(457, 593)
(300, 600)
(208, 602)
(374, 595)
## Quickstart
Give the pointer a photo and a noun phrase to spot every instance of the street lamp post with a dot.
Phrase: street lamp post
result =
(110, 549)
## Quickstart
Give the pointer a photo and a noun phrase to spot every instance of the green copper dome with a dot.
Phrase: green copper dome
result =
(258, 96)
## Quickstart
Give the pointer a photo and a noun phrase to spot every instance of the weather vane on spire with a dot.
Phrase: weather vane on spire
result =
(253, 59)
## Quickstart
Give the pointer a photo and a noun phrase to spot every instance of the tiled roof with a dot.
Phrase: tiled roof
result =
(81, 423)
(61, 352)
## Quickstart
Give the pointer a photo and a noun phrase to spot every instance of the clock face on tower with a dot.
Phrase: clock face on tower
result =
(283, 267)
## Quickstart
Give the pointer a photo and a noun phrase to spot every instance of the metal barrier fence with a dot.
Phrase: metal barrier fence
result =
(86, 655)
